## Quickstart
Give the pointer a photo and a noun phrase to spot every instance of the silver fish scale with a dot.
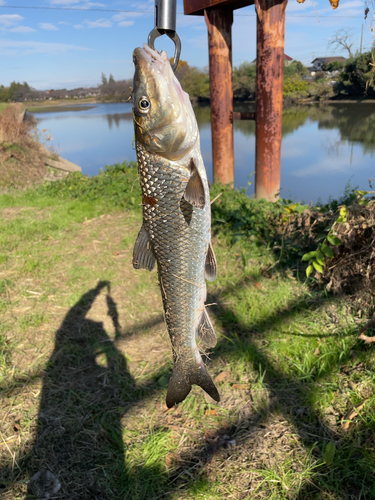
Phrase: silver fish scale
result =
(179, 235)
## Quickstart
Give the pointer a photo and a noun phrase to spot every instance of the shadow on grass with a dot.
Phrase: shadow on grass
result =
(78, 450)
(87, 389)
(351, 473)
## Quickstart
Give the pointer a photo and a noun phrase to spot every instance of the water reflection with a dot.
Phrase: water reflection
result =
(323, 147)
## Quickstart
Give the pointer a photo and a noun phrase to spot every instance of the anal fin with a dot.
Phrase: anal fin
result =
(143, 255)
(210, 269)
(205, 332)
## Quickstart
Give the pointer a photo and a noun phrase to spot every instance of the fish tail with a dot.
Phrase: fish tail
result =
(184, 377)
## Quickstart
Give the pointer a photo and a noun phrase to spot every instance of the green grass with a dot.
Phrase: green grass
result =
(3, 105)
(84, 360)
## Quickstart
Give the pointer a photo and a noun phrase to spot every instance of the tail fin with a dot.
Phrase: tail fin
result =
(182, 380)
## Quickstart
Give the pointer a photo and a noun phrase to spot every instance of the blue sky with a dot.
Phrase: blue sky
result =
(54, 48)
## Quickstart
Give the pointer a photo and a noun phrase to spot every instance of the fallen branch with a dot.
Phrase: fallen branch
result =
(345, 422)
(361, 336)
(368, 340)
(216, 197)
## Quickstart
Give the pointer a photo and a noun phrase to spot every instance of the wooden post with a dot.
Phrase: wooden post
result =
(219, 24)
(269, 96)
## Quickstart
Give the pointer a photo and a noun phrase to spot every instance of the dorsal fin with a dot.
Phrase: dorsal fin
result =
(210, 269)
(205, 332)
(143, 255)
(194, 192)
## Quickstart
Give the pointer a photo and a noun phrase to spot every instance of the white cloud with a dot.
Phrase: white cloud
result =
(22, 29)
(125, 24)
(150, 5)
(82, 4)
(2, 2)
(99, 23)
(48, 26)
(328, 165)
(125, 15)
(7, 20)
(64, 2)
(10, 47)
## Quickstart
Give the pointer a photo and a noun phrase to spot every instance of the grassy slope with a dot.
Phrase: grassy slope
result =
(85, 361)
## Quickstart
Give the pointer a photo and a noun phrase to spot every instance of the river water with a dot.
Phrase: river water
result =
(323, 147)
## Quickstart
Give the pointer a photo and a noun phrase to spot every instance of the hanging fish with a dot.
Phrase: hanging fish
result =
(176, 229)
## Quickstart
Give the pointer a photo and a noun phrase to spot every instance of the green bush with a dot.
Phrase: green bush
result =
(196, 82)
(358, 76)
(295, 68)
(333, 66)
(321, 90)
(115, 185)
(295, 84)
(244, 78)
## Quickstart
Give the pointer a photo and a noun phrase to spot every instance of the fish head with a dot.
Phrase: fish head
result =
(164, 120)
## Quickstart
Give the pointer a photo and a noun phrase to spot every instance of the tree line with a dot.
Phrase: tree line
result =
(354, 77)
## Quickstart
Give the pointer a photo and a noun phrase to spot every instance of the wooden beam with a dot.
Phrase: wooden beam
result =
(197, 7)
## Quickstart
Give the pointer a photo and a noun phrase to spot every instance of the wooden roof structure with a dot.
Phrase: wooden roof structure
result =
(196, 7)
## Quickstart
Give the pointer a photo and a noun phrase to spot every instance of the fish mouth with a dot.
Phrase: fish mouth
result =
(149, 56)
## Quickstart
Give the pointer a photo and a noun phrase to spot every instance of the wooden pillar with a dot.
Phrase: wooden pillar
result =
(269, 95)
(219, 24)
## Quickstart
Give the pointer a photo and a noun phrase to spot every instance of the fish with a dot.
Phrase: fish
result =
(176, 229)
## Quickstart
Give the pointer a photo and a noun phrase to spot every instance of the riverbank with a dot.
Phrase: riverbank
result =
(85, 359)
(24, 161)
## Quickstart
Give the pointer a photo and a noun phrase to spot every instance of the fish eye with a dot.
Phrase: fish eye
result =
(143, 104)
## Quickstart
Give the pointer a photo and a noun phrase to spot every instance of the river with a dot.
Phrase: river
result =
(324, 148)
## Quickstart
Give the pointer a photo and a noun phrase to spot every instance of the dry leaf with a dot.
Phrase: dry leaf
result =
(222, 376)
(171, 459)
(334, 4)
(316, 352)
(258, 285)
(241, 386)
(345, 422)
(368, 340)
(210, 413)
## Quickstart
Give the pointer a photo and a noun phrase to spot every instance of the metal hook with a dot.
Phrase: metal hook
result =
(155, 33)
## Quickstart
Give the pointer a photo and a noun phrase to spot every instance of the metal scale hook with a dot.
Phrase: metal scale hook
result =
(165, 24)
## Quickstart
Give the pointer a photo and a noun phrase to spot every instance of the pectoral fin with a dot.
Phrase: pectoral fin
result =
(143, 255)
(210, 269)
(194, 192)
(206, 333)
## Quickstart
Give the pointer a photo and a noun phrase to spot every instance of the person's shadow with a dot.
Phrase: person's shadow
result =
(78, 450)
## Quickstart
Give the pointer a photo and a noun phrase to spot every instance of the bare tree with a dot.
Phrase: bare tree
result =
(343, 40)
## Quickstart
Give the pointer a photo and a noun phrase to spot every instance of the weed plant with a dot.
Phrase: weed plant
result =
(116, 185)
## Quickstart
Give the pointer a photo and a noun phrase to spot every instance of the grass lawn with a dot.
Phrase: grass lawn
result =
(85, 361)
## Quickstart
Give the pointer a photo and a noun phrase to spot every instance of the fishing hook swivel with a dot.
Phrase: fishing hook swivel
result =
(165, 24)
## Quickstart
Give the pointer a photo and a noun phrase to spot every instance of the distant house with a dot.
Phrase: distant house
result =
(318, 62)
(287, 60)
